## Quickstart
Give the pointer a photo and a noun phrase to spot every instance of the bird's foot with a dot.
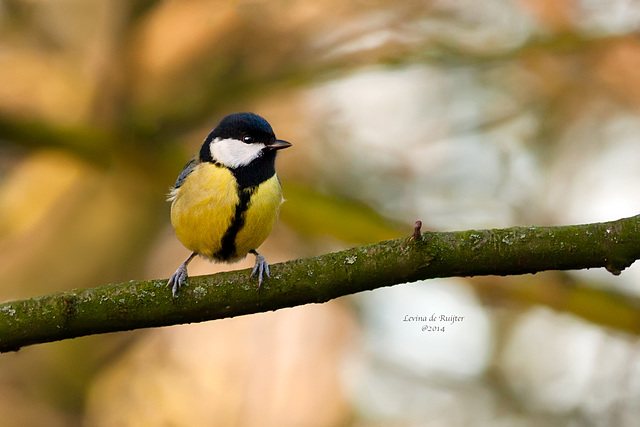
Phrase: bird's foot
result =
(178, 279)
(261, 267)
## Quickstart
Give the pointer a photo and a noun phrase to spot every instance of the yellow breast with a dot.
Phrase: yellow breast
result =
(260, 216)
(205, 207)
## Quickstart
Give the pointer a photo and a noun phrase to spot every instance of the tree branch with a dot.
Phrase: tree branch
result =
(517, 250)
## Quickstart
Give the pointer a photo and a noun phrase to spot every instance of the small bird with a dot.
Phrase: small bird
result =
(227, 197)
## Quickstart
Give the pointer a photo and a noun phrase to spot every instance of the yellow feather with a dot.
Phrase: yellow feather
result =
(203, 208)
(262, 213)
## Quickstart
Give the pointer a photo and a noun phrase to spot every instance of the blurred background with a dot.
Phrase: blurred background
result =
(461, 114)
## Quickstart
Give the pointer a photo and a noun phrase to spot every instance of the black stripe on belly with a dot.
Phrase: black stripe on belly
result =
(228, 249)
(248, 178)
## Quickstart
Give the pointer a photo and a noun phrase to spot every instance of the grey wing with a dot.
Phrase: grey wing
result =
(186, 170)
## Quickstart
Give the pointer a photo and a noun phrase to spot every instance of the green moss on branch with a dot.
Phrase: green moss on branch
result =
(132, 305)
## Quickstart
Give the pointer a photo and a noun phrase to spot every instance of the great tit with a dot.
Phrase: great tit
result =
(227, 197)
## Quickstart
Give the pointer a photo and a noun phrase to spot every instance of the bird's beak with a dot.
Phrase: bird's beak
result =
(278, 144)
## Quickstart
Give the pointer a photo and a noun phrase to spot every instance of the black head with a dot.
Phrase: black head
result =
(240, 139)
(239, 125)
(246, 145)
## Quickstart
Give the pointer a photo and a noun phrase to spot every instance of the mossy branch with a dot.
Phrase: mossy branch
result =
(517, 250)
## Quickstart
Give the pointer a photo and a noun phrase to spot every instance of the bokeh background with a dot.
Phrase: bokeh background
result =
(462, 114)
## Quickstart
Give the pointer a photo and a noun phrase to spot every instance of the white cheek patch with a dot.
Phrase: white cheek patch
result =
(234, 153)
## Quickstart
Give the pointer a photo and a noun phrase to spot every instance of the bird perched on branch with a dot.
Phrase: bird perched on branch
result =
(227, 197)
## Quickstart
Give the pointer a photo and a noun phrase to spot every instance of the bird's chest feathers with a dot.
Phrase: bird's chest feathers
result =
(212, 216)
(208, 187)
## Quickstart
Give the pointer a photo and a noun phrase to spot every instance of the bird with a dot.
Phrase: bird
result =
(226, 200)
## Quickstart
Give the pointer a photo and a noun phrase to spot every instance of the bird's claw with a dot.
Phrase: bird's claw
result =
(178, 279)
(261, 266)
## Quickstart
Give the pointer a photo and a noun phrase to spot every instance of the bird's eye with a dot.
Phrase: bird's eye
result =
(247, 139)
